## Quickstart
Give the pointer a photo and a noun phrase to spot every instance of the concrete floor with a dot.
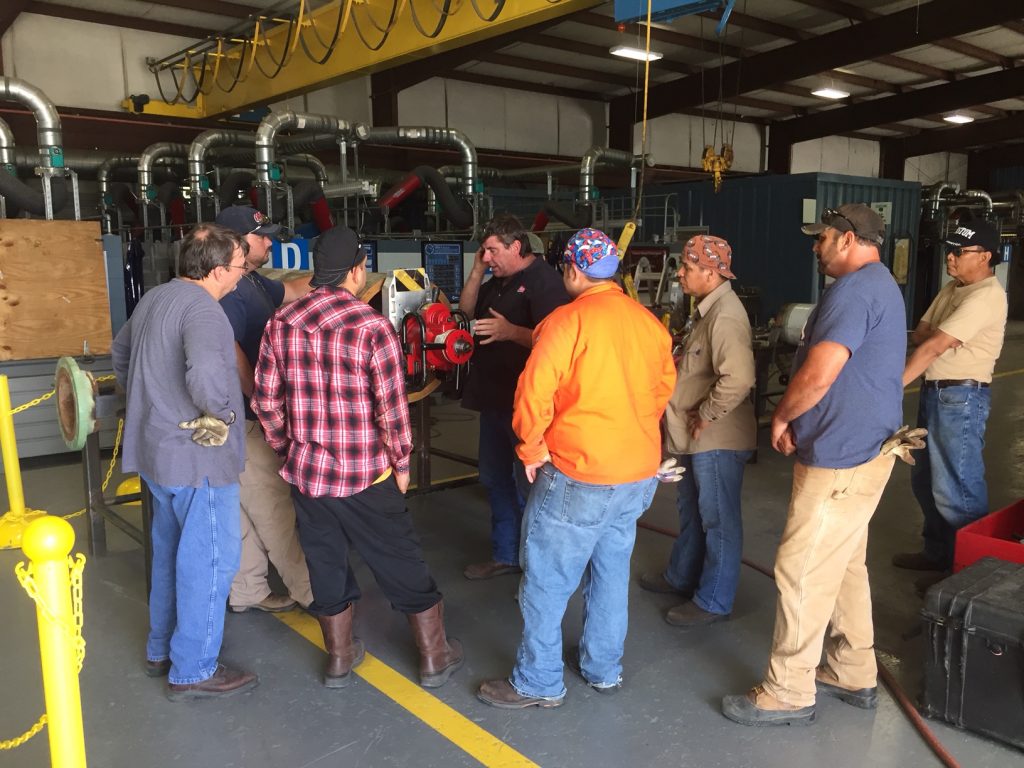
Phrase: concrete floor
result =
(667, 713)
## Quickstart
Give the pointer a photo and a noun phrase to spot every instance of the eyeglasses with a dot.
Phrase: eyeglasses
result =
(958, 250)
(235, 266)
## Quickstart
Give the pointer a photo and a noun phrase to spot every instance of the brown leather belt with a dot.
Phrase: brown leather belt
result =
(943, 383)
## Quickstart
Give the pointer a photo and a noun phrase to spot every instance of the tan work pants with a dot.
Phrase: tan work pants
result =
(268, 527)
(822, 579)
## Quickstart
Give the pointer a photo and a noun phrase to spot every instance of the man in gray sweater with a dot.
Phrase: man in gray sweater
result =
(175, 358)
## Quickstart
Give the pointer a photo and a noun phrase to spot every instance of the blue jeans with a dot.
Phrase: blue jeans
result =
(501, 473)
(949, 477)
(706, 557)
(575, 530)
(196, 551)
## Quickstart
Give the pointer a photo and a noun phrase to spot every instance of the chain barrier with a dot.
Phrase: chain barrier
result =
(113, 458)
(76, 566)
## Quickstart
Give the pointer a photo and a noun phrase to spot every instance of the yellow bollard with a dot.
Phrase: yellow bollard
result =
(47, 543)
(12, 524)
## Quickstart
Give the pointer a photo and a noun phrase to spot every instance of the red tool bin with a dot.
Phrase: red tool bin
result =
(997, 535)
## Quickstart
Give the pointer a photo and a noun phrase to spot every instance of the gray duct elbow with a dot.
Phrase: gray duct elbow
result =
(48, 132)
(201, 146)
(104, 169)
(978, 194)
(149, 157)
(605, 156)
(425, 135)
(276, 122)
(6, 146)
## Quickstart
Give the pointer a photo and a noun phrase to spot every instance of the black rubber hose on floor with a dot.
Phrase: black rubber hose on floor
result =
(890, 682)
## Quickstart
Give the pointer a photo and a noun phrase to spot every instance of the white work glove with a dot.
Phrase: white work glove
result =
(208, 431)
(903, 442)
(668, 472)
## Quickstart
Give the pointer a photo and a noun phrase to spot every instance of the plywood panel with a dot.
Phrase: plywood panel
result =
(53, 289)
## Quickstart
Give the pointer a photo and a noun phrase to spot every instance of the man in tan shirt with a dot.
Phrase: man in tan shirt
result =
(958, 342)
(710, 427)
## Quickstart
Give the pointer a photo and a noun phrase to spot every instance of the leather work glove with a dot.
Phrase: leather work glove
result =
(668, 472)
(904, 441)
(208, 431)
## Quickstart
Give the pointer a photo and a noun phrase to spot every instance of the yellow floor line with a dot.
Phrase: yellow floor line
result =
(1016, 372)
(458, 729)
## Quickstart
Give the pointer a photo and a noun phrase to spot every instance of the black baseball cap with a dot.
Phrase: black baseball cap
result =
(976, 233)
(246, 220)
(336, 252)
(852, 217)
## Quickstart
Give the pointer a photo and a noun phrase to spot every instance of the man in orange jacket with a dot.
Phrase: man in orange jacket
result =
(587, 410)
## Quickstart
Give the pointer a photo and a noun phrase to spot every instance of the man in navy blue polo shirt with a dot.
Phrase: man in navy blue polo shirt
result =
(268, 517)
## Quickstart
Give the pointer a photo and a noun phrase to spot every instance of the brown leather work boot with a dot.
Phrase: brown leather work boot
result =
(224, 682)
(343, 653)
(439, 657)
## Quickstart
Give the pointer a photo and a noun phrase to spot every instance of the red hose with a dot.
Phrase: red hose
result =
(400, 191)
(540, 221)
(890, 682)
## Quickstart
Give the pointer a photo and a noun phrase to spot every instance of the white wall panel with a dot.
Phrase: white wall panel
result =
(941, 166)
(836, 154)
(531, 122)
(423, 104)
(581, 125)
(476, 110)
(680, 139)
(349, 100)
(510, 120)
(79, 64)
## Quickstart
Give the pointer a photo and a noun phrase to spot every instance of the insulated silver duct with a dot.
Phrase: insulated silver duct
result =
(422, 135)
(304, 160)
(352, 188)
(6, 147)
(605, 156)
(149, 157)
(198, 150)
(978, 194)
(108, 165)
(48, 133)
(933, 195)
(276, 122)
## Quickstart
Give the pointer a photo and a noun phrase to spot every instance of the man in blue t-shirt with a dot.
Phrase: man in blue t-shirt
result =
(268, 517)
(844, 401)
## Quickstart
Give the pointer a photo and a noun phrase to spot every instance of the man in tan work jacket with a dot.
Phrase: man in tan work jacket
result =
(710, 426)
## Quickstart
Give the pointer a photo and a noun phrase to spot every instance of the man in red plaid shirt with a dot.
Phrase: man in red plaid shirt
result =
(330, 393)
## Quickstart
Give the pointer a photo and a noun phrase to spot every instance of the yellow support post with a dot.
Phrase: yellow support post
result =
(13, 523)
(48, 542)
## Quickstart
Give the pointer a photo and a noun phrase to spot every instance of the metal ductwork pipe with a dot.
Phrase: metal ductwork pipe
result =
(197, 152)
(977, 194)
(6, 147)
(933, 195)
(423, 135)
(276, 122)
(605, 156)
(305, 160)
(352, 188)
(148, 159)
(48, 132)
(104, 169)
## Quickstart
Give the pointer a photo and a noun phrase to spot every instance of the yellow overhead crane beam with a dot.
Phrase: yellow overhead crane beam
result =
(363, 24)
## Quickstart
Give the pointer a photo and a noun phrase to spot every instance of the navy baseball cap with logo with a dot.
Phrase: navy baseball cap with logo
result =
(246, 220)
(976, 233)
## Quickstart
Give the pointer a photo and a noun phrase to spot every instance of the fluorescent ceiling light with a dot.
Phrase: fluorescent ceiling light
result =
(958, 119)
(830, 93)
(639, 54)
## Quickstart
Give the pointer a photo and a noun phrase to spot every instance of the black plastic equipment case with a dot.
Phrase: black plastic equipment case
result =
(974, 654)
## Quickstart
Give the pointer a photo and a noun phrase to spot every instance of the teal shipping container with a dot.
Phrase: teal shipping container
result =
(761, 217)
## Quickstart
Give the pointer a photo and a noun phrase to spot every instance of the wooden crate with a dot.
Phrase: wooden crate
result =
(53, 289)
